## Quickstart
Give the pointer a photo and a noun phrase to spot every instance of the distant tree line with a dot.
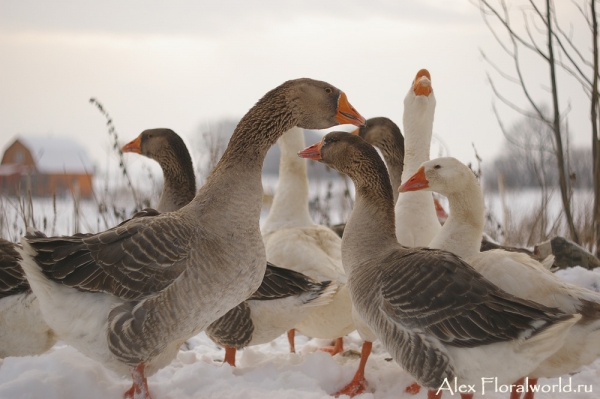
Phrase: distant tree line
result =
(527, 161)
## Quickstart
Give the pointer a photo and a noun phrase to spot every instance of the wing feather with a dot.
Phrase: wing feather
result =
(131, 261)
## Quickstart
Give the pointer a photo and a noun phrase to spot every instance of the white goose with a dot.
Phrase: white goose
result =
(516, 273)
(23, 331)
(130, 296)
(416, 218)
(294, 241)
(437, 316)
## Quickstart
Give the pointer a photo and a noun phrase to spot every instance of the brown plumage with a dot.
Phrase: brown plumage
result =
(150, 284)
(430, 309)
(384, 134)
(12, 277)
(168, 149)
(236, 328)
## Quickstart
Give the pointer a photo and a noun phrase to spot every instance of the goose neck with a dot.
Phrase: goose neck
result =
(462, 231)
(418, 130)
(179, 185)
(236, 179)
(370, 227)
(290, 203)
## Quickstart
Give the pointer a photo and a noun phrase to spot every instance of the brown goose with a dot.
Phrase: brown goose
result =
(436, 316)
(284, 297)
(168, 149)
(130, 296)
(384, 134)
(23, 331)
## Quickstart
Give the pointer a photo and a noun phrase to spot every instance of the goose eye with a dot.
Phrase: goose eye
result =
(328, 90)
(437, 167)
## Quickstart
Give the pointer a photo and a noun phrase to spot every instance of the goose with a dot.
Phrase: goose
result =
(168, 149)
(415, 213)
(384, 134)
(437, 316)
(294, 241)
(130, 296)
(516, 273)
(23, 331)
(284, 296)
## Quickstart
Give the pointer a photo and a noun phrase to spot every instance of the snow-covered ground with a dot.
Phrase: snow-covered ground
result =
(265, 371)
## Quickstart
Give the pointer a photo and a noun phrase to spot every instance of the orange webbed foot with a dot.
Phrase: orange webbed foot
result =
(334, 350)
(413, 388)
(355, 387)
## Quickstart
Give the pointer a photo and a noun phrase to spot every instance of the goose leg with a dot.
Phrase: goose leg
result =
(358, 384)
(291, 338)
(229, 356)
(413, 388)
(466, 396)
(514, 391)
(337, 348)
(529, 394)
(433, 394)
(139, 389)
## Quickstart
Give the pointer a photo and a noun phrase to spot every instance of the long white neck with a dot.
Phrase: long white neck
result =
(416, 220)
(418, 129)
(461, 233)
(290, 204)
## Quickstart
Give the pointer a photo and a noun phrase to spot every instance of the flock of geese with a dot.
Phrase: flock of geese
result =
(130, 296)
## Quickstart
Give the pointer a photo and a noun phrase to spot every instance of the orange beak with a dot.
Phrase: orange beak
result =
(417, 182)
(133, 146)
(422, 85)
(312, 152)
(355, 132)
(346, 114)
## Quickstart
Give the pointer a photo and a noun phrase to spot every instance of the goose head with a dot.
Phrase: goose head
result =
(420, 96)
(319, 105)
(447, 176)
(158, 144)
(383, 133)
(349, 154)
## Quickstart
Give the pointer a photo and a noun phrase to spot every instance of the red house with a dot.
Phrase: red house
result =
(47, 165)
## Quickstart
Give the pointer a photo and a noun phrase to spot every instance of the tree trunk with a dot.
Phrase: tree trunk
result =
(595, 143)
(560, 158)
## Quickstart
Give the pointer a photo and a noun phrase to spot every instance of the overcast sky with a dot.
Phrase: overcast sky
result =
(182, 63)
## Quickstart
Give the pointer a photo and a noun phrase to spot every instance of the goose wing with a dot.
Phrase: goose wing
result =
(136, 259)
(282, 283)
(437, 292)
(12, 277)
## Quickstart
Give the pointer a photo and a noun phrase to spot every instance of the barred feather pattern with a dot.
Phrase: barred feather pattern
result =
(282, 283)
(236, 327)
(172, 274)
(419, 302)
(12, 277)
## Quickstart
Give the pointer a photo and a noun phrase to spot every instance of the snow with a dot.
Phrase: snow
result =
(264, 371)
